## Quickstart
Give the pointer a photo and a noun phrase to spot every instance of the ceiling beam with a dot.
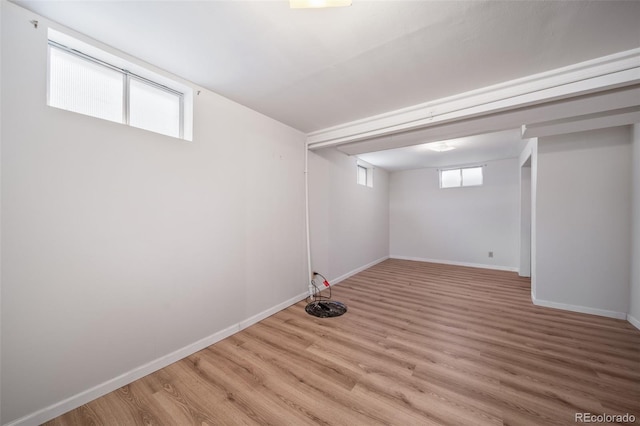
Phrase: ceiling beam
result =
(612, 118)
(580, 106)
(601, 74)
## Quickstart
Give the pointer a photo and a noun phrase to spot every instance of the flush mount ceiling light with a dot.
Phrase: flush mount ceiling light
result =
(315, 4)
(440, 147)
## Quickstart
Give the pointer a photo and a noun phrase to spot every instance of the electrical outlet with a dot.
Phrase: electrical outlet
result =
(490, 254)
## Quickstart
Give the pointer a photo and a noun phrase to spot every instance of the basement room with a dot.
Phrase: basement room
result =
(319, 212)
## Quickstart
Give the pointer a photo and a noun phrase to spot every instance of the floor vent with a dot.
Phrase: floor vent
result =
(326, 309)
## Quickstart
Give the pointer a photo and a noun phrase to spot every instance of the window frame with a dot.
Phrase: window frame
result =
(127, 76)
(460, 169)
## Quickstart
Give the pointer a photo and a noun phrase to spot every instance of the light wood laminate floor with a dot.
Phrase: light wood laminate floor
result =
(421, 344)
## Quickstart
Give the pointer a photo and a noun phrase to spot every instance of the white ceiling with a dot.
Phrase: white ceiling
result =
(317, 68)
(469, 150)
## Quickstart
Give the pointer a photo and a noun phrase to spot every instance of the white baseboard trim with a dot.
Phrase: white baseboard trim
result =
(88, 395)
(268, 312)
(355, 271)
(581, 309)
(634, 322)
(452, 262)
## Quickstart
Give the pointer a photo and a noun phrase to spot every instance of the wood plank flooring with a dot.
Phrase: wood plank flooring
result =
(421, 344)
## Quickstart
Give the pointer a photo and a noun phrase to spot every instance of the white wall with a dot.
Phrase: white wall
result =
(120, 246)
(583, 221)
(524, 269)
(634, 299)
(457, 225)
(529, 157)
(349, 222)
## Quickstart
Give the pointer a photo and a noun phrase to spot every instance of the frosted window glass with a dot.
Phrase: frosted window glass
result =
(450, 178)
(472, 176)
(362, 175)
(154, 109)
(82, 86)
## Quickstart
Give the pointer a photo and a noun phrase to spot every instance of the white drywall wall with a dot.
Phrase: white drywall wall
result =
(349, 222)
(634, 299)
(529, 156)
(457, 225)
(583, 221)
(120, 246)
(524, 269)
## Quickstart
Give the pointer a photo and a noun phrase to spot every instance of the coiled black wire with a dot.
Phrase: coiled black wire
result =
(316, 295)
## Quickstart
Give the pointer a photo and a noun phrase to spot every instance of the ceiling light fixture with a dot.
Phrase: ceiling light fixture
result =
(440, 147)
(316, 4)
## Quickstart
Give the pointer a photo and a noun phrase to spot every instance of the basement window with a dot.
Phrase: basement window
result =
(89, 81)
(456, 178)
(364, 174)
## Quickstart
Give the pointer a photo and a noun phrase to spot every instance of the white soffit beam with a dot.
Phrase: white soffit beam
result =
(605, 73)
(579, 106)
(613, 118)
